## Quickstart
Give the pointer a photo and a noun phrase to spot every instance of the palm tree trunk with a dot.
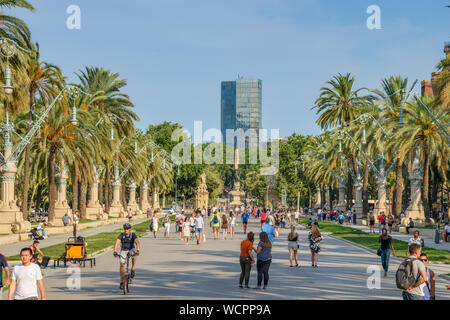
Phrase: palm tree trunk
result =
(26, 174)
(365, 195)
(398, 188)
(330, 195)
(107, 182)
(37, 207)
(122, 197)
(82, 199)
(349, 191)
(100, 191)
(75, 187)
(426, 180)
(52, 192)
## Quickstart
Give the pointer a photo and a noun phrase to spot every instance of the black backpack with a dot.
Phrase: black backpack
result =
(404, 276)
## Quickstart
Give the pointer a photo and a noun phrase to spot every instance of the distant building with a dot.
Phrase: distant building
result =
(241, 107)
(427, 86)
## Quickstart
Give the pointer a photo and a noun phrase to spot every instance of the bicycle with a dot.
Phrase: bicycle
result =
(126, 277)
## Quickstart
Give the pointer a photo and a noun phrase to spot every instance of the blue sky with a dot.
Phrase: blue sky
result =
(175, 53)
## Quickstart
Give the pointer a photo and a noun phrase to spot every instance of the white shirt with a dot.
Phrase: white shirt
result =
(447, 228)
(40, 225)
(199, 222)
(26, 278)
(192, 221)
(233, 221)
(425, 290)
(75, 218)
(416, 241)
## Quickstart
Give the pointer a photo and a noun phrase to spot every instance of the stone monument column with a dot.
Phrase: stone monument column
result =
(143, 201)
(116, 208)
(94, 209)
(341, 203)
(132, 202)
(358, 185)
(415, 209)
(61, 205)
(11, 218)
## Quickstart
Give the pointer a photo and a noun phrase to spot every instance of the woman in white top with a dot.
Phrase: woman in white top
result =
(155, 225)
(232, 226)
(166, 226)
(186, 231)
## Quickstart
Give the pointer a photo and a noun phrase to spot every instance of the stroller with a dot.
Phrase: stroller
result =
(35, 235)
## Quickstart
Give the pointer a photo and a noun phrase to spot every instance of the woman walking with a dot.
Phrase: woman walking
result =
(371, 222)
(186, 231)
(192, 222)
(246, 259)
(166, 226)
(155, 224)
(264, 258)
(390, 222)
(224, 227)
(277, 224)
(386, 246)
(293, 245)
(232, 226)
(314, 238)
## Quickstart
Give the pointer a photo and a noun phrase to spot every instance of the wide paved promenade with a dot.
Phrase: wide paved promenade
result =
(167, 269)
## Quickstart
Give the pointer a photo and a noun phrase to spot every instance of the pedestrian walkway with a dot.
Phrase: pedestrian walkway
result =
(14, 248)
(168, 269)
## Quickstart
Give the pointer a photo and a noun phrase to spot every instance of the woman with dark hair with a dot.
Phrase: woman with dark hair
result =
(314, 238)
(385, 249)
(246, 259)
(264, 258)
(224, 226)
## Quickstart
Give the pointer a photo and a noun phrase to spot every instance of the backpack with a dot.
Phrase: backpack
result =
(404, 276)
(215, 219)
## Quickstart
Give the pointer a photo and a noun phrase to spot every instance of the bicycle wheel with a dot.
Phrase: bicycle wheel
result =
(125, 284)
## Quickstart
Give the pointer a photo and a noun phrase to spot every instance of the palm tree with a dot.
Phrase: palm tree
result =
(338, 105)
(442, 83)
(12, 27)
(390, 99)
(420, 132)
(42, 79)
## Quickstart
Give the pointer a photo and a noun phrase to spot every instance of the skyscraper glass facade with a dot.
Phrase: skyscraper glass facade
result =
(241, 105)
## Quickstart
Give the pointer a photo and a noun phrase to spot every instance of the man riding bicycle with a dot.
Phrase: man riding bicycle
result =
(127, 239)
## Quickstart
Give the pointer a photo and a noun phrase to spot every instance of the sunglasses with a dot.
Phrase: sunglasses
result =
(423, 259)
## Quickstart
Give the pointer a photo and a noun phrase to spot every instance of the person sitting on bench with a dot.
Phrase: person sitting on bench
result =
(446, 232)
(36, 251)
(411, 225)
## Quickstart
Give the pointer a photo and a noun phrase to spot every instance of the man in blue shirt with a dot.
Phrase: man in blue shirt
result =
(245, 216)
(4, 265)
(269, 229)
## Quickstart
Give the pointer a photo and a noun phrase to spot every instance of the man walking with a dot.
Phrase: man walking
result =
(244, 217)
(269, 229)
(415, 291)
(429, 288)
(26, 278)
(199, 222)
(4, 265)
(215, 222)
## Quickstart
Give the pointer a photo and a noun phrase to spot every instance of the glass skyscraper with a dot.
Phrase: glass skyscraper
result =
(241, 105)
